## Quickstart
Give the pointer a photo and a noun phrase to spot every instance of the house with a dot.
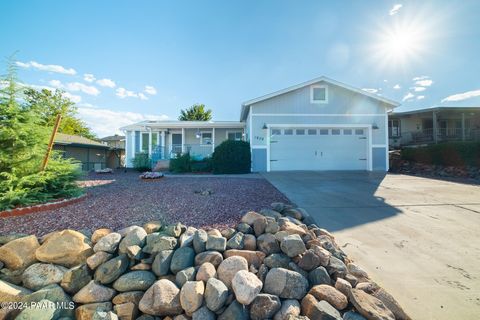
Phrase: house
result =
(320, 124)
(91, 154)
(433, 125)
(163, 140)
(116, 156)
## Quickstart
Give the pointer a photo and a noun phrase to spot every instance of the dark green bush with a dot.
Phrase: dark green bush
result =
(232, 157)
(204, 165)
(445, 154)
(142, 162)
(181, 163)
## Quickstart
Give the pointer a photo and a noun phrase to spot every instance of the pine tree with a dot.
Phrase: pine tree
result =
(196, 112)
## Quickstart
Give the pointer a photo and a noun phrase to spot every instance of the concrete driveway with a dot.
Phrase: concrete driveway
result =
(419, 238)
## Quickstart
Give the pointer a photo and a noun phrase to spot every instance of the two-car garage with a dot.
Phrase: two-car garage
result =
(318, 148)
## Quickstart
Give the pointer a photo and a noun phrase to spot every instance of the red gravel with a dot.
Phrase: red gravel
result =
(121, 199)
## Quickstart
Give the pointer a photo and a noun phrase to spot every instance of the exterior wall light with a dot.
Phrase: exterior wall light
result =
(264, 126)
(374, 126)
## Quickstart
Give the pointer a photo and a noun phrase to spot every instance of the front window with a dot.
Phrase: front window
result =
(145, 141)
(394, 128)
(206, 138)
(236, 136)
(318, 94)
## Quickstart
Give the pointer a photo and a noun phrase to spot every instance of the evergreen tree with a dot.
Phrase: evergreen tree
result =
(196, 112)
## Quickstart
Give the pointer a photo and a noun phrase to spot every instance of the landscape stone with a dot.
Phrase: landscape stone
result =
(249, 242)
(75, 278)
(329, 294)
(94, 292)
(152, 226)
(109, 243)
(285, 283)
(19, 253)
(236, 241)
(129, 296)
(244, 228)
(277, 260)
(39, 275)
(290, 227)
(355, 270)
(235, 311)
(336, 267)
(213, 257)
(323, 254)
(97, 259)
(203, 314)
(314, 309)
(343, 286)
(6, 238)
(100, 233)
(216, 243)
(254, 258)
(390, 302)
(319, 275)
(191, 296)
(268, 244)
(157, 242)
(161, 299)
(229, 267)
(292, 245)
(205, 272)
(185, 275)
(200, 240)
(289, 307)
(161, 264)
(259, 226)
(309, 260)
(134, 280)
(126, 311)
(12, 293)
(216, 294)
(54, 293)
(44, 310)
(246, 286)
(135, 237)
(350, 315)
(250, 217)
(265, 306)
(228, 233)
(186, 239)
(112, 269)
(173, 230)
(182, 258)
(369, 306)
(87, 311)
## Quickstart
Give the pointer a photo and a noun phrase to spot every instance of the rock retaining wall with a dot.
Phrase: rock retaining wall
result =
(276, 264)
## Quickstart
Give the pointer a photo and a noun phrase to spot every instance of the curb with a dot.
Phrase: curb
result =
(41, 207)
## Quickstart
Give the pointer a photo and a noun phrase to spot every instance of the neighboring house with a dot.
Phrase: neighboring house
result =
(320, 124)
(163, 140)
(92, 154)
(116, 156)
(433, 125)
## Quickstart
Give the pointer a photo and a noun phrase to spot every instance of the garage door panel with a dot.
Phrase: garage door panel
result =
(319, 152)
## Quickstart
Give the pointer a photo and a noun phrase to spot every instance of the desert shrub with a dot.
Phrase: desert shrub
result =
(232, 157)
(445, 154)
(182, 163)
(142, 162)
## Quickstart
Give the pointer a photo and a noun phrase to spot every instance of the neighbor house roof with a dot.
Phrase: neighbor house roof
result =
(68, 139)
(436, 108)
(248, 103)
(115, 137)
(175, 124)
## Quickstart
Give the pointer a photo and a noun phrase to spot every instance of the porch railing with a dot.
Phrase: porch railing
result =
(427, 136)
(166, 153)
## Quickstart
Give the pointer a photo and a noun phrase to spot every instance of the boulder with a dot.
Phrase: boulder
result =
(323, 254)
(290, 227)
(229, 267)
(200, 240)
(186, 239)
(54, 293)
(94, 292)
(39, 275)
(216, 243)
(130, 296)
(203, 314)
(390, 302)
(265, 306)
(152, 226)
(246, 286)
(20, 253)
(182, 276)
(112, 269)
(134, 280)
(369, 306)
(329, 294)
(319, 275)
(97, 259)
(12, 293)
(244, 228)
(250, 217)
(292, 245)
(6, 238)
(205, 272)
(254, 258)
(216, 293)
(182, 258)
(43, 310)
(173, 230)
(277, 260)
(314, 309)
(343, 286)
(75, 279)
(213, 257)
(108, 243)
(289, 307)
(126, 311)
(191, 296)
(268, 244)
(235, 311)
(67, 248)
(161, 264)
(135, 237)
(309, 260)
(100, 233)
(336, 267)
(249, 242)
(259, 226)
(286, 284)
(275, 214)
(161, 299)
(355, 270)
(350, 315)
(87, 311)
(156, 242)
(236, 241)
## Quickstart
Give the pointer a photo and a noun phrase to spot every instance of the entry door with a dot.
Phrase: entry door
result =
(176, 142)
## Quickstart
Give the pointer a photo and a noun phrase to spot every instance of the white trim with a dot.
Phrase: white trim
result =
(267, 141)
(321, 114)
(387, 158)
(164, 149)
(133, 143)
(259, 147)
(141, 142)
(126, 148)
(183, 140)
(379, 145)
(369, 148)
(213, 140)
(149, 142)
(312, 88)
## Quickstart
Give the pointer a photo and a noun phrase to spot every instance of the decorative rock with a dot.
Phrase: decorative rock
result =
(268, 244)
(249, 242)
(161, 299)
(126, 311)
(75, 279)
(161, 264)
(275, 214)
(173, 230)
(213, 257)
(134, 252)
(350, 315)
(6, 238)
(94, 292)
(191, 296)
(157, 242)
(200, 240)
(294, 267)
(12, 293)
(130, 296)
(67, 248)
(97, 259)
(250, 217)
(369, 306)
(20, 253)
(235, 311)
(39, 275)
(141, 267)
(265, 306)
(314, 309)
(136, 237)
(100, 233)
(134, 280)
(288, 308)
(336, 267)
(272, 227)
(322, 254)
(262, 272)
(277, 260)
(203, 314)
(216, 243)
(186, 239)
(292, 245)
(87, 311)
(259, 226)
(244, 228)
(286, 284)
(236, 241)
(319, 276)
(228, 233)
(54, 293)
(391, 304)
(182, 258)
(44, 310)
(206, 271)
(246, 286)
(254, 258)
(152, 226)
(229, 267)
(294, 213)
(185, 275)
(343, 286)
(112, 269)
(290, 227)
(108, 243)
(309, 261)
(216, 293)
(329, 294)
(357, 271)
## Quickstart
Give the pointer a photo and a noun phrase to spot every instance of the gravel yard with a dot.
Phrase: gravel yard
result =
(122, 199)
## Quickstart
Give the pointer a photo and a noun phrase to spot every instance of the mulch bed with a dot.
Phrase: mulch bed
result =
(122, 199)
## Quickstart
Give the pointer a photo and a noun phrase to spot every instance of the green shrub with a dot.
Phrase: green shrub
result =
(232, 157)
(142, 162)
(182, 163)
(204, 165)
(445, 154)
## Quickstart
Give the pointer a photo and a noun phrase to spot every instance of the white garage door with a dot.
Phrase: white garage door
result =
(318, 149)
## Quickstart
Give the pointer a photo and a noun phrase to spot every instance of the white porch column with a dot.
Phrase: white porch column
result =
(164, 151)
(183, 140)
(149, 142)
(133, 143)
(463, 126)
(435, 133)
(213, 139)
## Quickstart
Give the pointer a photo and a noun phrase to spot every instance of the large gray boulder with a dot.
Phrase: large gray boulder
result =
(286, 284)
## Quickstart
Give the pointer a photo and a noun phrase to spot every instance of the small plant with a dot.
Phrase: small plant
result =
(232, 157)
(142, 162)
(181, 164)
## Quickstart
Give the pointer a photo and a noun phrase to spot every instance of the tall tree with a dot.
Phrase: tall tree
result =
(49, 104)
(196, 112)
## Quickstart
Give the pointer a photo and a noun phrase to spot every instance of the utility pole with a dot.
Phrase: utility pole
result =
(52, 140)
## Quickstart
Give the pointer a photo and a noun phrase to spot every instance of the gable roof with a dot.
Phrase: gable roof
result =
(248, 103)
(68, 139)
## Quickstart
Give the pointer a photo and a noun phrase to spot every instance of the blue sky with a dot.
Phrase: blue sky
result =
(125, 61)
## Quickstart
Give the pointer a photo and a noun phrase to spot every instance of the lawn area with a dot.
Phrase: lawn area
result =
(121, 199)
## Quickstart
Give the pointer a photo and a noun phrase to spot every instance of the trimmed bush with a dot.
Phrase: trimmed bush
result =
(204, 165)
(180, 164)
(457, 154)
(142, 162)
(232, 157)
